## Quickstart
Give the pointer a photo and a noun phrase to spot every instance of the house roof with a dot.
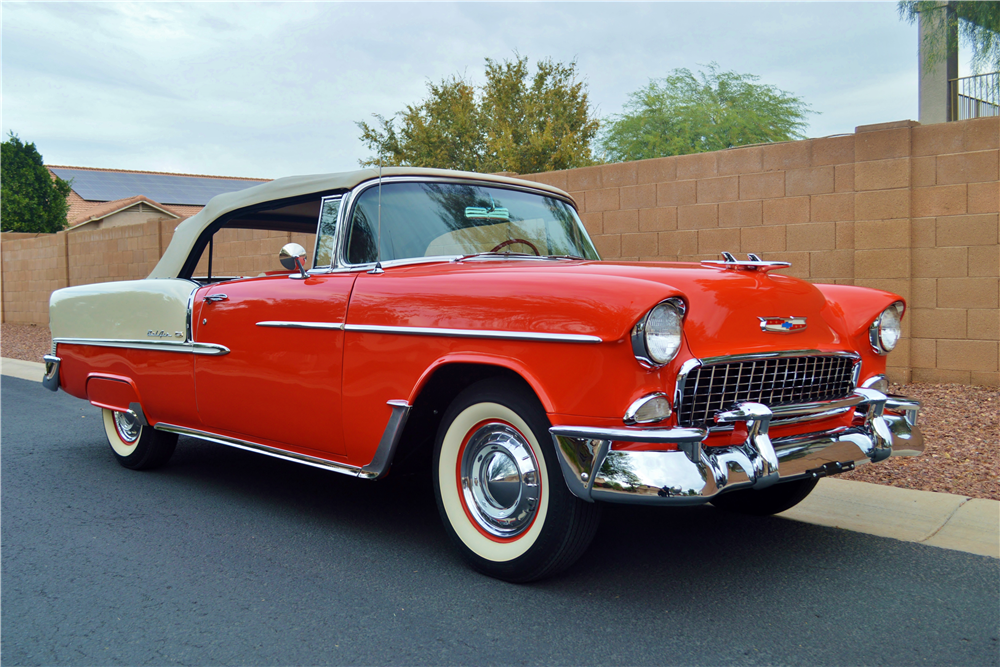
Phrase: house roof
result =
(110, 208)
(188, 231)
(104, 185)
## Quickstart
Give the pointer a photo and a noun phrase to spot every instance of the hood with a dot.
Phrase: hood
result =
(608, 298)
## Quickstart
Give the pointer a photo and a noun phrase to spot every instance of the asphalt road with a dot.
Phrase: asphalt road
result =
(229, 557)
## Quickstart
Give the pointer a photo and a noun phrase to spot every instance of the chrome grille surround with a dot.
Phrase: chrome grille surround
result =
(711, 385)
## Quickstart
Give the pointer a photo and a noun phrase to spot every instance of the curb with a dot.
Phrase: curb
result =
(941, 520)
(26, 370)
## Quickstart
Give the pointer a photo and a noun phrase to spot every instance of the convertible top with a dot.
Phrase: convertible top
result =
(188, 232)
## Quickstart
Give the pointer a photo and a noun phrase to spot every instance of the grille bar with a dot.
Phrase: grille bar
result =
(721, 385)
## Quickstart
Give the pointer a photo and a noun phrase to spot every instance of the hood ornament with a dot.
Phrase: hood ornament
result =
(753, 263)
(782, 324)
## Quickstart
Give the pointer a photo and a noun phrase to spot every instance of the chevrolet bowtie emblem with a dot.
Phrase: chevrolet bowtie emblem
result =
(782, 324)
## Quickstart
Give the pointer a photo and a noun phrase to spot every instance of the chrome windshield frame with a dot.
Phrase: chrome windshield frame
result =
(344, 198)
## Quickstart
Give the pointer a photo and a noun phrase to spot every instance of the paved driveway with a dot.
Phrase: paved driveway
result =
(230, 557)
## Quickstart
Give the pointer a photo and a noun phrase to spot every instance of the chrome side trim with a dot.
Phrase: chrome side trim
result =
(249, 446)
(51, 378)
(302, 325)
(382, 460)
(475, 333)
(158, 346)
(189, 330)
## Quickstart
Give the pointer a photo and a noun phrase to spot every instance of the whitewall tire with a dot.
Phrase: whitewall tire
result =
(135, 446)
(499, 487)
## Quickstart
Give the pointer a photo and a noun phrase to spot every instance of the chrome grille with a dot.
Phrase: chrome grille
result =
(714, 387)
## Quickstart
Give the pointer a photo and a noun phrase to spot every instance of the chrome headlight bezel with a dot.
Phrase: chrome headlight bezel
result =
(652, 355)
(885, 332)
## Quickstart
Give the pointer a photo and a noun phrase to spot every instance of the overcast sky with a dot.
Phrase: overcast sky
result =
(270, 90)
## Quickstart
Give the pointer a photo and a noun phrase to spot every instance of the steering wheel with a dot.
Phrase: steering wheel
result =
(513, 241)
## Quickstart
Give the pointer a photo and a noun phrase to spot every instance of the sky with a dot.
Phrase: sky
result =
(271, 90)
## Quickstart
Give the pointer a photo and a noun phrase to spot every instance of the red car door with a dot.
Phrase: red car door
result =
(280, 383)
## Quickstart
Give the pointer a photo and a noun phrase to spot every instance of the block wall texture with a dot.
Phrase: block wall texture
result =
(33, 265)
(908, 208)
(903, 207)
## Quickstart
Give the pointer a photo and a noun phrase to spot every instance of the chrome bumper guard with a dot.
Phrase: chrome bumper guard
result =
(51, 378)
(695, 474)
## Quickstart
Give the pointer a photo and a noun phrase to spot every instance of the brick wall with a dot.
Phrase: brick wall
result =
(899, 206)
(33, 265)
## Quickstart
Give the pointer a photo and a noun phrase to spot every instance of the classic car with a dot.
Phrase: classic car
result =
(468, 319)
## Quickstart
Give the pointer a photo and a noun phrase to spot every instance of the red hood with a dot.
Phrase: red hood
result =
(607, 299)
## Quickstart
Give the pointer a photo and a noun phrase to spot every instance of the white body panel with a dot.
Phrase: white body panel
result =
(134, 310)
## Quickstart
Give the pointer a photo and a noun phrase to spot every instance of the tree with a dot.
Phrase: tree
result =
(687, 113)
(514, 122)
(31, 200)
(976, 23)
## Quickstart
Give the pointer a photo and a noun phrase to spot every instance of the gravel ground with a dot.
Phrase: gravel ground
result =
(24, 341)
(961, 427)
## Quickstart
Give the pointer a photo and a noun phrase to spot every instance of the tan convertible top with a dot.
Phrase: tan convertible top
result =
(187, 232)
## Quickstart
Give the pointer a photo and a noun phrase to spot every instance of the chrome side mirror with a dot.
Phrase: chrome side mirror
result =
(291, 257)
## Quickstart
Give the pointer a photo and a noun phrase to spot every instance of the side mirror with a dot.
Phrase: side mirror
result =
(291, 257)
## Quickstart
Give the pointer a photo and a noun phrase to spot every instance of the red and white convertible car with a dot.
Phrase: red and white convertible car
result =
(470, 317)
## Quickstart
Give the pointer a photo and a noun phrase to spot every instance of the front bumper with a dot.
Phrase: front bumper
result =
(694, 474)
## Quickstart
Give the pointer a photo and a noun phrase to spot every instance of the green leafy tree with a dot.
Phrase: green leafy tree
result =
(976, 23)
(30, 199)
(694, 113)
(514, 122)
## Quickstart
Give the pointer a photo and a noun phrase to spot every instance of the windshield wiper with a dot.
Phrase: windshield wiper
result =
(518, 255)
(495, 254)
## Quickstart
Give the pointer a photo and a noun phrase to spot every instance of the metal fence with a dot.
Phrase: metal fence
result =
(975, 96)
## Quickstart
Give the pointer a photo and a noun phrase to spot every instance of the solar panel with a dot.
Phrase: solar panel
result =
(162, 188)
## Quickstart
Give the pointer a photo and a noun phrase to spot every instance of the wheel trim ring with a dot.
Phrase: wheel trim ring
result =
(127, 433)
(473, 519)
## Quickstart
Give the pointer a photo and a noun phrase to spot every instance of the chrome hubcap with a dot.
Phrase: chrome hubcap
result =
(500, 482)
(127, 427)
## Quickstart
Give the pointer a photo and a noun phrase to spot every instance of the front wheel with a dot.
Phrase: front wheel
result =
(135, 446)
(772, 500)
(499, 487)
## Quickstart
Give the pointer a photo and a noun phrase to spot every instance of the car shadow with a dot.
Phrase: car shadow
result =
(635, 545)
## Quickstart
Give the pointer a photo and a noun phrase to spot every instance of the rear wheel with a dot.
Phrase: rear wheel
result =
(772, 500)
(499, 487)
(135, 446)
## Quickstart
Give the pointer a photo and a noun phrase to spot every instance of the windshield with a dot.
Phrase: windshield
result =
(434, 219)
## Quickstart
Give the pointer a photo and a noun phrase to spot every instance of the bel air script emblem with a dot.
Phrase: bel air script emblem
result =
(782, 324)
(163, 334)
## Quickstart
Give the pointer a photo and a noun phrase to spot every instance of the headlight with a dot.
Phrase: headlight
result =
(885, 331)
(657, 337)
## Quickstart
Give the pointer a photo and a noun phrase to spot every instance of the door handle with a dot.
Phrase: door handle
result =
(212, 298)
